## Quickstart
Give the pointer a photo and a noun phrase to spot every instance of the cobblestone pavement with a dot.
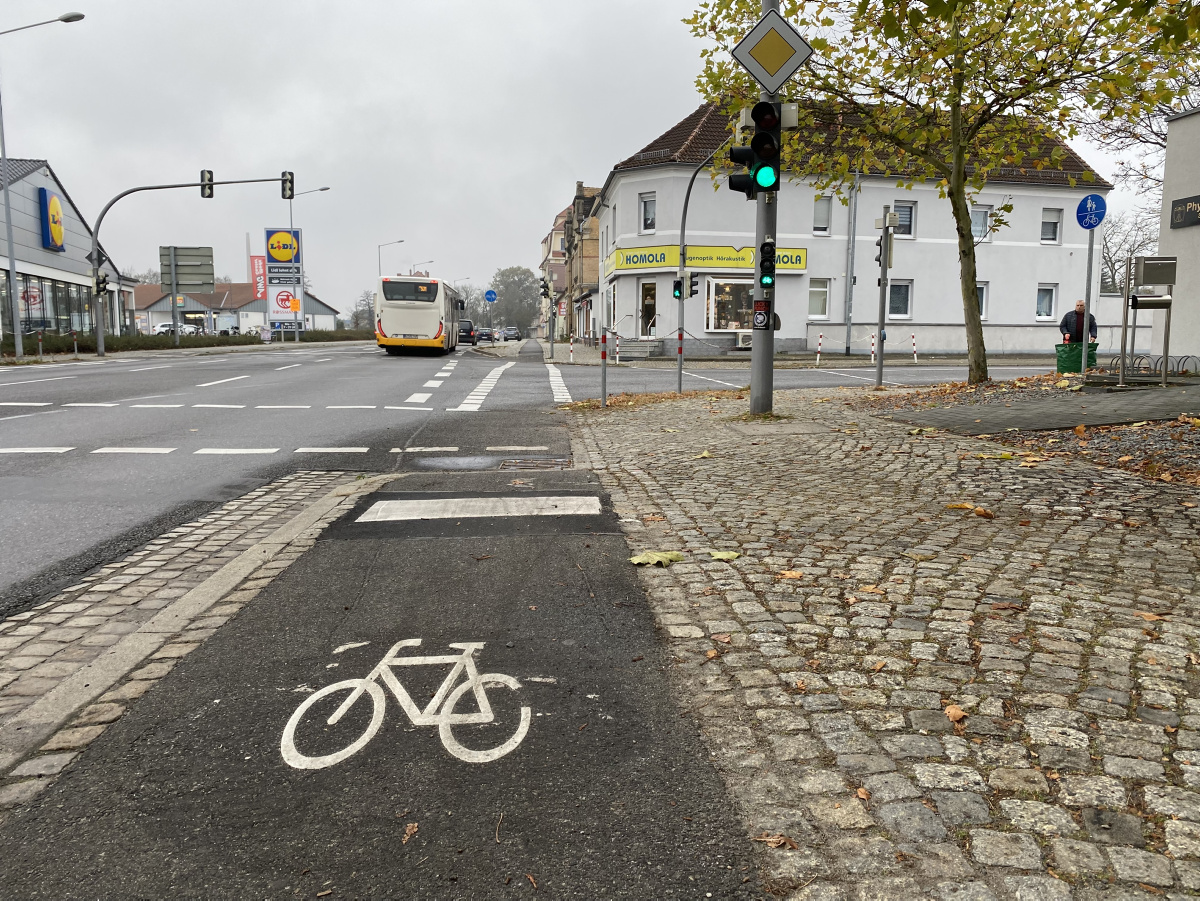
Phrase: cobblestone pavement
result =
(71, 665)
(1058, 611)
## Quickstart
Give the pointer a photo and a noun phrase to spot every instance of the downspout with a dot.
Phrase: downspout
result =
(851, 241)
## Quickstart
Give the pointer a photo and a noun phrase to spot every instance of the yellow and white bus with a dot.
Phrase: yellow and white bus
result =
(416, 311)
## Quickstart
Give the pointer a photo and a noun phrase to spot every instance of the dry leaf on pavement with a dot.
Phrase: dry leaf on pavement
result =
(879, 665)
(985, 513)
(703, 455)
(792, 574)
(864, 794)
(779, 840)
(873, 589)
(712, 653)
(409, 831)
(1080, 430)
(960, 506)
(657, 558)
(724, 555)
(1148, 617)
(723, 637)
(954, 713)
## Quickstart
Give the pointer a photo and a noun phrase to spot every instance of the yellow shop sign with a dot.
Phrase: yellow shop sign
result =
(698, 257)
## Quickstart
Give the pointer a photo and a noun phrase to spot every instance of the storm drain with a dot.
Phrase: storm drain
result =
(537, 463)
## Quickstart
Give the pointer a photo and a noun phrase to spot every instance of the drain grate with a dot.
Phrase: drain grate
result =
(538, 463)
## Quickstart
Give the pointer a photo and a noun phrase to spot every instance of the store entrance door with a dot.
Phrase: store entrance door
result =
(647, 320)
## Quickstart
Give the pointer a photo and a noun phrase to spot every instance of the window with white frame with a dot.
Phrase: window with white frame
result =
(822, 214)
(907, 211)
(981, 296)
(818, 298)
(730, 304)
(981, 221)
(1046, 295)
(900, 300)
(647, 204)
(1051, 226)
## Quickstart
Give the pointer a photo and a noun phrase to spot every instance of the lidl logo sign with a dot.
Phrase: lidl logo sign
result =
(283, 246)
(53, 230)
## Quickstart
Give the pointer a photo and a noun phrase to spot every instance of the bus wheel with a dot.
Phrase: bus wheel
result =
(392, 351)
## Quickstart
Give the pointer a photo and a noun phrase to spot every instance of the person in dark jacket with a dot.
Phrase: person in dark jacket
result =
(1072, 325)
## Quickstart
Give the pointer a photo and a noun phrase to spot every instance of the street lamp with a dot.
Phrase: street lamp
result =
(14, 302)
(379, 254)
(292, 229)
(413, 268)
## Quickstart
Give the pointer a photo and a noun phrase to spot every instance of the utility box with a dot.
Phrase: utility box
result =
(1154, 270)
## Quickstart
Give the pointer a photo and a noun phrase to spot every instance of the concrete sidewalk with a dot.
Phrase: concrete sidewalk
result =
(928, 675)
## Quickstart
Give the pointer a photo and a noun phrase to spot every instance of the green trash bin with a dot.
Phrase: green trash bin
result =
(1068, 356)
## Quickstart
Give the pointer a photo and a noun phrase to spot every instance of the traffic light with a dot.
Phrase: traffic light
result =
(762, 156)
(879, 248)
(742, 156)
(206, 183)
(693, 284)
(545, 289)
(287, 181)
(677, 289)
(766, 264)
(100, 283)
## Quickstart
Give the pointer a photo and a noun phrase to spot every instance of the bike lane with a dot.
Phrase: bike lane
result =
(585, 783)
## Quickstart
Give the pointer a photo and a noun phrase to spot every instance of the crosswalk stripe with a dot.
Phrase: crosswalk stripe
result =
(228, 451)
(557, 386)
(418, 398)
(133, 450)
(475, 399)
(432, 383)
(35, 450)
(476, 507)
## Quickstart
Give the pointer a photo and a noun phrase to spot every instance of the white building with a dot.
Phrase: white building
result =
(1179, 234)
(1030, 273)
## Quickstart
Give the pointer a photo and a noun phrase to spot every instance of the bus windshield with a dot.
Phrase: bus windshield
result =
(410, 290)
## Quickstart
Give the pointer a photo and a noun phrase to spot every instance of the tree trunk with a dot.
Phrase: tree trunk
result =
(977, 370)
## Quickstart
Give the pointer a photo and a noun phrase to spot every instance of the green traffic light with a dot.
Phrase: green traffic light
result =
(767, 280)
(765, 177)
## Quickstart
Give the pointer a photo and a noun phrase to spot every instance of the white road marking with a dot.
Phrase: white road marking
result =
(35, 450)
(518, 447)
(557, 385)
(237, 450)
(432, 383)
(284, 407)
(351, 407)
(418, 398)
(414, 409)
(289, 366)
(222, 381)
(220, 406)
(57, 378)
(351, 646)
(148, 368)
(444, 374)
(707, 379)
(326, 360)
(134, 450)
(862, 378)
(91, 405)
(475, 399)
(475, 507)
(332, 450)
(424, 450)
(158, 406)
(13, 403)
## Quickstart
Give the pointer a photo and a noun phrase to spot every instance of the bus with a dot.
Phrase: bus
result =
(416, 311)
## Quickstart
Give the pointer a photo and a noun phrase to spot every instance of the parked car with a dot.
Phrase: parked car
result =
(164, 328)
(466, 332)
(512, 333)
(485, 334)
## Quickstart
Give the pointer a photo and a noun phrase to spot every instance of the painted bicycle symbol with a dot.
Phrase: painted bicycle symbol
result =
(440, 712)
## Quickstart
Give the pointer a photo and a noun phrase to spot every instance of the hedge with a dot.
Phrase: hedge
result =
(342, 334)
(61, 344)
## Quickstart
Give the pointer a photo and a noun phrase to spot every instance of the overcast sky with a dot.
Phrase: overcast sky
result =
(460, 126)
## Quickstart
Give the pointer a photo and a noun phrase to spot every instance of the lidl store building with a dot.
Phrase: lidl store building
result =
(51, 241)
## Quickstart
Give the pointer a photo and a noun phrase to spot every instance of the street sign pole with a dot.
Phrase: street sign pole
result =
(1089, 214)
(884, 250)
(762, 348)
(174, 298)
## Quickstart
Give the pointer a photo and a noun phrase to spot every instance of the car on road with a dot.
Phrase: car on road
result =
(512, 333)
(485, 334)
(466, 332)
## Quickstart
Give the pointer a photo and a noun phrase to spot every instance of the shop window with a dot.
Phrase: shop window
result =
(1051, 226)
(907, 211)
(822, 213)
(900, 300)
(648, 310)
(648, 206)
(730, 305)
(818, 298)
(981, 220)
(1045, 302)
(981, 295)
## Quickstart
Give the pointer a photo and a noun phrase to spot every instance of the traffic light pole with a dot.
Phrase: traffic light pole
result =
(99, 311)
(684, 279)
(762, 348)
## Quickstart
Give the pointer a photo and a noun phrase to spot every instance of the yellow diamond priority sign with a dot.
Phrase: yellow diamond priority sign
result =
(772, 51)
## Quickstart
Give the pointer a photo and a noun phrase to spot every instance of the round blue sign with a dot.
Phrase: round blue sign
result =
(490, 296)
(1090, 212)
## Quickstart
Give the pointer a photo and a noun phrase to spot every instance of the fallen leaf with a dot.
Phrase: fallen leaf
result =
(960, 506)
(920, 558)
(723, 637)
(531, 879)
(1006, 605)
(864, 794)
(778, 840)
(1165, 477)
(1148, 617)
(670, 430)
(954, 713)
(879, 665)
(1152, 660)
(1169, 729)
(724, 555)
(409, 831)
(657, 558)
(792, 574)
(1187, 504)
(484, 557)
(1062, 384)
(986, 514)
(1124, 459)
(801, 685)
(327, 891)
(653, 517)
(534, 607)
(712, 653)
(703, 455)
(873, 589)
(1025, 522)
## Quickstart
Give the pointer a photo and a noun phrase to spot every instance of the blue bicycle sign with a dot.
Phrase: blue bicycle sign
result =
(1090, 212)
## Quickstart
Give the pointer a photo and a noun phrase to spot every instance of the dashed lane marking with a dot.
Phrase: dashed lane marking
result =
(413, 409)
(148, 368)
(283, 407)
(222, 381)
(351, 407)
(35, 450)
(91, 405)
(432, 383)
(134, 450)
(518, 447)
(291, 366)
(424, 450)
(220, 406)
(418, 398)
(24, 404)
(57, 378)
(476, 507)
(475, 399)
(230, 451)
(326, 360)
(557, 385)
(332, 450)
(158, 406)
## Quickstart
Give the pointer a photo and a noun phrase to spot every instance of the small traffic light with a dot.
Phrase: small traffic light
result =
(693, 284)
(766, 264)
(206, 183)
(545, 289)
(677, 289)
(100, 283)
(742, 156)
(287, 182)
(879, 249)
(766, 145)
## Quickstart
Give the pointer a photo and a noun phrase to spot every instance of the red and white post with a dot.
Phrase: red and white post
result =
(618, 340)
(571, 351)
(914, 337)
(872, 347)
(820, 338)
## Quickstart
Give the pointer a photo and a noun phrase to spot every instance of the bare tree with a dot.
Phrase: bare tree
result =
(1127, 234)
(149, 277)
(364, 310)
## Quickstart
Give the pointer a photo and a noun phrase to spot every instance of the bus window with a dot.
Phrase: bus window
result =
(409, 290)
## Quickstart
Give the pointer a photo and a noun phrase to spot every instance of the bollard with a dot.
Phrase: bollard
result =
(571, 352)
(872, 347)
(914, 337)
(75, 341)
(618, 350)
(39, 345)
(604, 367)
(820, 338)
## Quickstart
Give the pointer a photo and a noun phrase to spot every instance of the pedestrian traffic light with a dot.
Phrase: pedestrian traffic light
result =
(693, 284)
(100, 283)
(287, 181)
(766, 264)
(677, 289)
(206, 183)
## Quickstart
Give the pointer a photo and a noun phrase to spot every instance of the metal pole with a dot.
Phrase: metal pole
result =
(1166, 358)
(884, 248)
(1087, 305)
(604, 357)
(14, 302)
(762, 348)
(1124, 321)
(174, 298)
(851, 241)
(300, 289)
(683, 276)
